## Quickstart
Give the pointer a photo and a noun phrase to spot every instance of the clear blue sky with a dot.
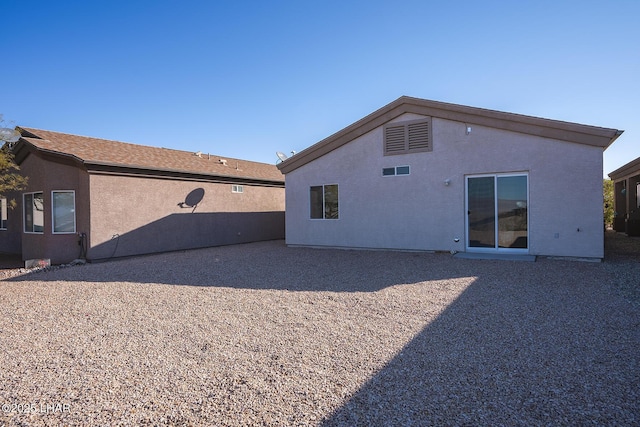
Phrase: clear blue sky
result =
(244, 79)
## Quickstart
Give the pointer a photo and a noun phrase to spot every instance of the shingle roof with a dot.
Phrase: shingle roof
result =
(546, 128)
(92, 152)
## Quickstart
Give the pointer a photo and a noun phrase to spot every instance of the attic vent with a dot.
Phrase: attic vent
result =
(394, 139)
(405, 137)
(418, 136)
(223, 162)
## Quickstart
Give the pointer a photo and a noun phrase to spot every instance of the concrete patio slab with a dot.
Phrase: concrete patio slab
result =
(503, 257)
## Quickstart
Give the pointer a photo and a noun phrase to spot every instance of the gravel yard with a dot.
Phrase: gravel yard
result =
(262, 334)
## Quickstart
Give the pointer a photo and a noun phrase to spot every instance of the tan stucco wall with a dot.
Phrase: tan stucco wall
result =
(47, 176)
(135, 215)
(124, 215)
(419, 212)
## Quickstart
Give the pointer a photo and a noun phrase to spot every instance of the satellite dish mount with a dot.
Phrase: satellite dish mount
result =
(281, 157)
(9, 135)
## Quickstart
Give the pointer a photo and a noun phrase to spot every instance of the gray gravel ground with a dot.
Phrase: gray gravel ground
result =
(262, 334)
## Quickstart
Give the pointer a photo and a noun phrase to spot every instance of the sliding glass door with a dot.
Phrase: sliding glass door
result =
(497, 215)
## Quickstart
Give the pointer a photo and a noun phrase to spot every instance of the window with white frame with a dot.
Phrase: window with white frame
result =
(237, 189)
(3, 213)
(398, 170)
(33, 206)
(63, 208)
(324, 202)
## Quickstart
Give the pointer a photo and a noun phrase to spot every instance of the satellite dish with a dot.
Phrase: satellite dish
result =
(281, 156)
(194, 197)
(9, 135)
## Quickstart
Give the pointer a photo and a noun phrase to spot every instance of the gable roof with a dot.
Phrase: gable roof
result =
(630, 169)
(546, 128)
(101, 155)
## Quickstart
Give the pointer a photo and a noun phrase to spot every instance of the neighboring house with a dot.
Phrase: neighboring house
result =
(626, 201)
(100, 199)
(426, 175)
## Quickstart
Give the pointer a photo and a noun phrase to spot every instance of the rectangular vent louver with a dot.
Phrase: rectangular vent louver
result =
(408, 137)
(394, 139)
(419, 136)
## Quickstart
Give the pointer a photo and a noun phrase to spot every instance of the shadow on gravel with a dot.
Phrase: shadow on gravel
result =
(559, 349)
(526, 344)
(267, 265)
(272, 265)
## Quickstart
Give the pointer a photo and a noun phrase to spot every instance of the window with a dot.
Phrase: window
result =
(33, 212)
(398, 170)
(407, 137)
(3, 213)
(402, 170)
(237, 189)
(324, 202)
(64, 211)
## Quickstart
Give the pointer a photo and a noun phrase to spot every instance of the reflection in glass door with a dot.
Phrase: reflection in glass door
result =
(497, 215)
(481, 212)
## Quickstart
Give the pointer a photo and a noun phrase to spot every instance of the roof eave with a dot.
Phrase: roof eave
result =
(23, 147)
(134, 170)
(546, 128)
(629, 169)
(359, 128)
(613, 139)
(29, 143)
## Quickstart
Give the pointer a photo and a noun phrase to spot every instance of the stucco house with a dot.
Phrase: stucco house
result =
(626, 201)
(432, 176)
(100, 199)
